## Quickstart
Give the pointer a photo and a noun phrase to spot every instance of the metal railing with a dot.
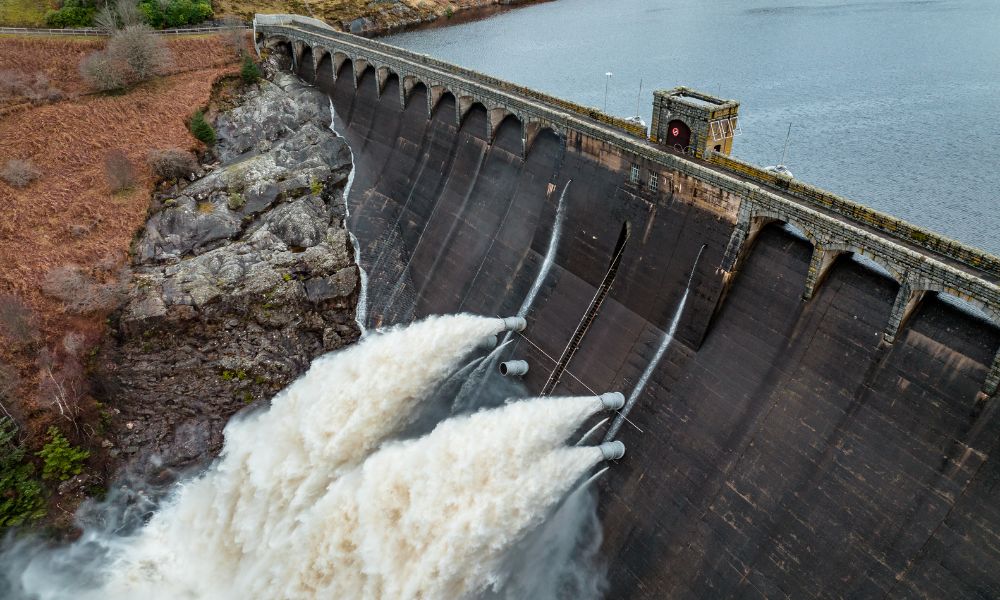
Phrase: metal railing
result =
(94, 32)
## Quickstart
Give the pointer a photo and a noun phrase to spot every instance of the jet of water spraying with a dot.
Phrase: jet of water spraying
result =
(660, 351)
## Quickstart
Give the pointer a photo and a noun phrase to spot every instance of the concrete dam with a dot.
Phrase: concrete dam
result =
(822, 424)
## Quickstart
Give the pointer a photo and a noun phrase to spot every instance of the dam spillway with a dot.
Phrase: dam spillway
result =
(782, 447)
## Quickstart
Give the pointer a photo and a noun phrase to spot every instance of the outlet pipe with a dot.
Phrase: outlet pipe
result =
(513, 323)
(488, 343)
(612, 450)
(612, 400)
(514, 368)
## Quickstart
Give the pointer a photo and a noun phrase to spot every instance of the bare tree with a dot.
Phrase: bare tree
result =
(62, 381)
(119, 171)
(118, 15)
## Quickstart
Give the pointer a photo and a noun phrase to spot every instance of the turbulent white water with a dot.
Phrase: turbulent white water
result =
(313, 499)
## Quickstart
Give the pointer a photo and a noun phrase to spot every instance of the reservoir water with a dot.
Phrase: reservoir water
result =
(892, 103)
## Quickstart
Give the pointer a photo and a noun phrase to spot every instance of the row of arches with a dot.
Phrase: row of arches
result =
(825, 252)
(321, 66)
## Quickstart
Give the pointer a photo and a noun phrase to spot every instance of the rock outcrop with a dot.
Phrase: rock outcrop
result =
(239, 280)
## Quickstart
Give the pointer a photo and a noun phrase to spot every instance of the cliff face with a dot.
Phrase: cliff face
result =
(239, 280)
(778, 448)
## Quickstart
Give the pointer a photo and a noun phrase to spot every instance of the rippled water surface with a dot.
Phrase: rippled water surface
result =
(892, 103)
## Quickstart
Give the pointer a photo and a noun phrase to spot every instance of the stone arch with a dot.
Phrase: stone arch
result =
(339, 58)
(435, 95)
(989, 311)
(408, 85)
(417, 88)
(361, 65)
(761, 218)
(344, 70)
(324, 73)
(307, 65)
(535, 131)
(465, 111)
(464, 105)
(507, 131)
(497, 116)
(382, 75)
(846, 248)
(391, 85)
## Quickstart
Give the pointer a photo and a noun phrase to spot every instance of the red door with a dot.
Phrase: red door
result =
(678, 135)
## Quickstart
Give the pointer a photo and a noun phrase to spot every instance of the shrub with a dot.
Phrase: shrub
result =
(21, 498)
(104, 73)
(250, 72)
(175, 13)
(201, 129)
(171, 163)
(142, 50)
(72, 14)
(19, 173)
(17, 321)
(33, 87)
(134, 54)
(81, 293)
(62, 459)
(118, 171)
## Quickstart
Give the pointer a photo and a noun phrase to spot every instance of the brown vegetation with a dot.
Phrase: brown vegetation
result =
(66, 236)
(58, 59)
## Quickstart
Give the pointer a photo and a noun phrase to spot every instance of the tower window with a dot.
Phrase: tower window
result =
(634, 177)
(654, 181)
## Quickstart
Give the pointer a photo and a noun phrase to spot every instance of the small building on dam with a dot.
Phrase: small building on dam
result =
(823, 421)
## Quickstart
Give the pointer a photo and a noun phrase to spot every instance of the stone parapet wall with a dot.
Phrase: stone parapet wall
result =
(893, 226)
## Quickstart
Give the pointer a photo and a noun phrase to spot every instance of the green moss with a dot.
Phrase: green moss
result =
(236, 201)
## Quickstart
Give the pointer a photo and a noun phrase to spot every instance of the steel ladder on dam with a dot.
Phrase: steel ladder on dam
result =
(589, 316)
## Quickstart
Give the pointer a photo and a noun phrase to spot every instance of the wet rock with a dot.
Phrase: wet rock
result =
(238, 282)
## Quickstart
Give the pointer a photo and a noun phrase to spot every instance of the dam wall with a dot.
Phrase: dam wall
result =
(818, 428)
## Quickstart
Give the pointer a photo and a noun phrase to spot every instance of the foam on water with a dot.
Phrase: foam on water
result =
(312, 498)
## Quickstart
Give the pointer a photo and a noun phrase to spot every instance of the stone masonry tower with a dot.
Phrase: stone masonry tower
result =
(694, 121)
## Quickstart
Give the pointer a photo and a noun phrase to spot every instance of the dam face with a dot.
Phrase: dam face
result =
(781, 447)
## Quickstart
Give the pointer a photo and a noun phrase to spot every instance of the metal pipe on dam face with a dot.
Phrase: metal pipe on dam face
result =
(779, 448)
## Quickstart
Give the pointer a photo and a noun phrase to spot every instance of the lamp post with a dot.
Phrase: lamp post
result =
(607, 81)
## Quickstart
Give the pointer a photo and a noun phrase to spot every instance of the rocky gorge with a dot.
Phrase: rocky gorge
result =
(239, 279)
